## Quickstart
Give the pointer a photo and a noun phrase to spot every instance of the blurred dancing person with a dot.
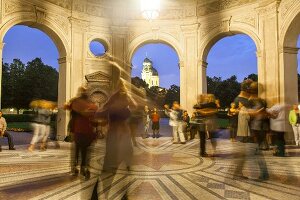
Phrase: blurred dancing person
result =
(118, 142)
(259, 121)
(233, 121)
(186, 120)
(82, 115)
(278, 127)
(176, 121)
(41, 124)
(206, 110)
(243, 129)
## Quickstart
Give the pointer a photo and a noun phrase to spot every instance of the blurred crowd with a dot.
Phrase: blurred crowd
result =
(115, 123)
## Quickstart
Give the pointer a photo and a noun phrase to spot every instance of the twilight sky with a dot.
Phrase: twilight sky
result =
(233, 55)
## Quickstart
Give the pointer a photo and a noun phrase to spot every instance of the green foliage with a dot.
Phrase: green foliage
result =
(18, 118)
(21, 84)
(19, 126)
(139, 83)
(173, 94)
(224, 90)
(253, 77)
(156, 95)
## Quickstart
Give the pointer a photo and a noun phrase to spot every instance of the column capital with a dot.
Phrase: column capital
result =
(79, 23)
(119, 30)
(65, 59)
(190, 28)
(181, 64)
(202, 63)
(289, 50)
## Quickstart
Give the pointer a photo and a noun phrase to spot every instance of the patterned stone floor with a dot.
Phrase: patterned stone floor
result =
(160, 170)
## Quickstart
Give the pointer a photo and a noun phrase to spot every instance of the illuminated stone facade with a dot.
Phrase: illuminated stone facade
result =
(191, 27)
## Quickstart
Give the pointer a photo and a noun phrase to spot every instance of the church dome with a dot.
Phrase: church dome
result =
(147, 60)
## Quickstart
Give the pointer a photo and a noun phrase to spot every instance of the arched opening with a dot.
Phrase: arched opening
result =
(290, 63)
(230, 60)
(155, 70)
(42, 61)
(30, 68)
(98, 47)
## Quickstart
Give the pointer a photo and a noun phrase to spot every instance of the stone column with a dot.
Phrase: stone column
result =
(289, 74)
(78, 48)
(274, 75)
(202, 78)
(189, 73)
(119, 52)
(1, 56)
(288, 83)
(64, 95)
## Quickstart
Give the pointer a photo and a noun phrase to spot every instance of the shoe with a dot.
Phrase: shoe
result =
(263, 177)
(31, 148)
(204, 155)
(42, 149)
(0, 149)
(157, 136)
(182, 142)
(153, 136)
(13, 148)
(75, 172)
(86, 173)
(278, 154)
(176, 142)
(57, 146)
(240, 177)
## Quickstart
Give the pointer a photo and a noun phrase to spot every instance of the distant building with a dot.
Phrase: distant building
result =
(150, 74)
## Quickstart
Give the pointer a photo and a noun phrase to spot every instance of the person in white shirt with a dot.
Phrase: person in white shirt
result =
(176, 121)
(278, 126)
(4, 133)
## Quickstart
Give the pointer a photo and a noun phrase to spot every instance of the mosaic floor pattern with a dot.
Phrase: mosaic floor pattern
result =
(160, 170)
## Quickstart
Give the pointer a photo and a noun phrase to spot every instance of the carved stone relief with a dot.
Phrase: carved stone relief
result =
(219, 5)
(16, 6)
(99, 87)
(62, 22)
(286, 6)
(223, 26)
(250, 20)
(62, 3)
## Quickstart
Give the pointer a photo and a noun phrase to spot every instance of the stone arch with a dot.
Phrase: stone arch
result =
(149, 38)
(60, 40)
(287, 36)
(46, 26)
(211, 39)
(216, 35)
(288, 59)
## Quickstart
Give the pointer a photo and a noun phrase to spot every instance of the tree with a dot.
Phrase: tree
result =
(173, 94)
(253, 77)
(41, 81)
(6, 90)
(224, 90)
(21, 85)
(138, 82)
(15, 85)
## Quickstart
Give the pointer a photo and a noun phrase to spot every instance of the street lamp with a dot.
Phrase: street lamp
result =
(150, 9)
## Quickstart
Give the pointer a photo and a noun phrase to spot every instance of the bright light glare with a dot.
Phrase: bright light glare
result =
(150, 9)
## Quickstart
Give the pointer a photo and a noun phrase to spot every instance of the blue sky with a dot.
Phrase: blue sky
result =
(233, 55)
